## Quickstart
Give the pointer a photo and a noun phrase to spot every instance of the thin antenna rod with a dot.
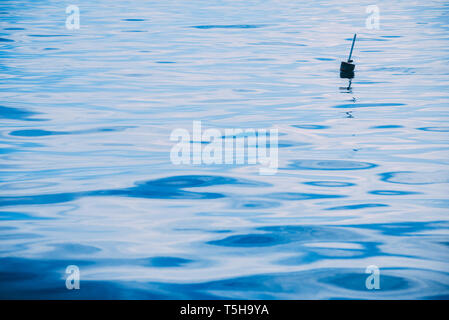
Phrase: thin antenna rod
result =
(352, 47)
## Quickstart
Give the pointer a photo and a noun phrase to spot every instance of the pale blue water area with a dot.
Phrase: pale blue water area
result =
(85, 171)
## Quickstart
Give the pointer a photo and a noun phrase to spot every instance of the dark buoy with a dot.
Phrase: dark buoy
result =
(347, 75)
(347, 68)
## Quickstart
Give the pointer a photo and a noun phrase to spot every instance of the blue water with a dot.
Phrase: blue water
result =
(85, 171)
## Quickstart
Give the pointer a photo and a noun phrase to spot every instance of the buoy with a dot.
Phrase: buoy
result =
(347, 68)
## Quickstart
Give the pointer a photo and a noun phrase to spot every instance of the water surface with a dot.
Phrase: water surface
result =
(86, 177)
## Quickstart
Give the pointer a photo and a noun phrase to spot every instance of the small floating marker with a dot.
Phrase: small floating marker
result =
(347, 68)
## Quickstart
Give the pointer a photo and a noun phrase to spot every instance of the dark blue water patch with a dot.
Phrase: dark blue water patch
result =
(251, 283)
(164, 188)
(6, 40)
(366, 105)
(302, 196)
(435, 129)
(286, 144)
(391, 36)
(42, 133)
(35, 133)
(111, 129)
(387, 126)
(133, 19)
(325, 59)
(14, 113)
(359, 206)
(293, 284)
(356, 281)
(8, 150)
(250, 240)
(310, 126)
(189, 181)
(165, 62)
(51, 49)
(230, 26)
(39, 199)
(221, 231)
(18, 274)
(400, 229)
(278, 235)
(413, 178)
(171, 188)
(48, 35)
(254, 204)
(311, 232)
(9, 215)
(14, 28)
(328, 165)
(332, 184)
(445, 243)
(392, 192)
(437, 297)
(313, 254)
(45, 280)
(11, 277)
(167, 262)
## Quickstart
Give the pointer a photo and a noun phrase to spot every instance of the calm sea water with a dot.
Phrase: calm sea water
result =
(85, 171)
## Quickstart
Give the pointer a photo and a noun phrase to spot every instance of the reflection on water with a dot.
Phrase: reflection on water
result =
(86, 177)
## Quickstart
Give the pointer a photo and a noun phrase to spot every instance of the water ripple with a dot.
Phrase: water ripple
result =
(410, 177)
(365, 105)
(164, 188)
(14, 113)
(329, 165)
(229, 26)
